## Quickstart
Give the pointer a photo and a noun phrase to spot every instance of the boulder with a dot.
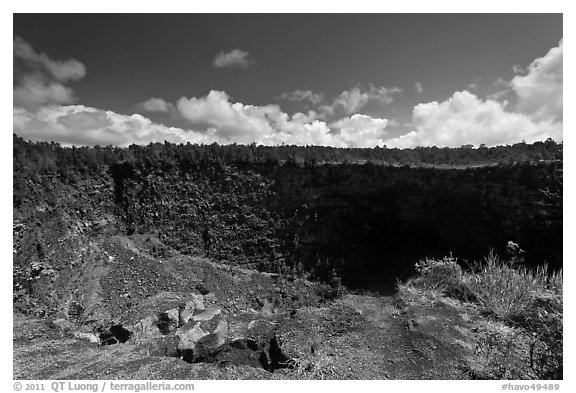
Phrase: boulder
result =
(207, 315)
(204, 338)
(87, 337)
(194, 305)
(173, 316)
(189, 335)
(147, 328)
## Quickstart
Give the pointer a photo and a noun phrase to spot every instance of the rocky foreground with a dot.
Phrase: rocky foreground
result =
(181, 317)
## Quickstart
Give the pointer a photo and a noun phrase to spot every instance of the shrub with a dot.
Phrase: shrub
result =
(445, 276)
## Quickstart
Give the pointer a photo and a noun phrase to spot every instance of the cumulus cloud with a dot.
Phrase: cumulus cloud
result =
(82, 125)
(418, 87)
(269, 125)
(232, 121)
(466, 119)
(42, 112)
(361, 131)
(157, 105)
(236, 58)
(213, 118)
(540, 90)
(40, 80)
(353, 100)
(33, 91)
(302, 95)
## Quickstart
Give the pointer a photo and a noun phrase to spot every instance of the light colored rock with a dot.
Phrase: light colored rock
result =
(186, 313)
(207, 315)
(173, 316)
(199, 341)
(191, 306)
(221, 333)
(189, 337)
(210, 297)
(146, 328)
(87, 336)
(198, 302)
(211, 343)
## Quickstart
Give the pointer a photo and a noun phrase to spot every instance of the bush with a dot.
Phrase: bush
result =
(445, 276)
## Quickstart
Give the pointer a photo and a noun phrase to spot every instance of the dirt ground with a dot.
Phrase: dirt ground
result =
(407, 336)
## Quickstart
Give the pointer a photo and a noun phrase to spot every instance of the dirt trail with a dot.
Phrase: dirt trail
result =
(365, 337)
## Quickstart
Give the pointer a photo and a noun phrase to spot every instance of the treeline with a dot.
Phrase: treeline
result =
(50, 157)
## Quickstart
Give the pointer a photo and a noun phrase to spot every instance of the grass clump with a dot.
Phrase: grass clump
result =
(523, 298)
(445, 276)
(315, 366)
(505, 288)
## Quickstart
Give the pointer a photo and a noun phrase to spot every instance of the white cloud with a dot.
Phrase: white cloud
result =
(361, 131)
(236, 58)
(41, 112)
(61, 70)
(214, 118)
(540, 90)
(352, 100)
(303, 95)
(418, 87)
(236, 122)
(466, 119)
(35, 91)
(157, 105)
(39, 80)
(82, 125)
(225, 122)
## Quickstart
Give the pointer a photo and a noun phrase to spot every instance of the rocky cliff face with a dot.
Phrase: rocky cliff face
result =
(353, 216)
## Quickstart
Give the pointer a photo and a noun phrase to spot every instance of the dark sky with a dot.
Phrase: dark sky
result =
(131, 58)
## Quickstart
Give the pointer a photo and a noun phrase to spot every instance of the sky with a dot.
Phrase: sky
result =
(343, 80)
